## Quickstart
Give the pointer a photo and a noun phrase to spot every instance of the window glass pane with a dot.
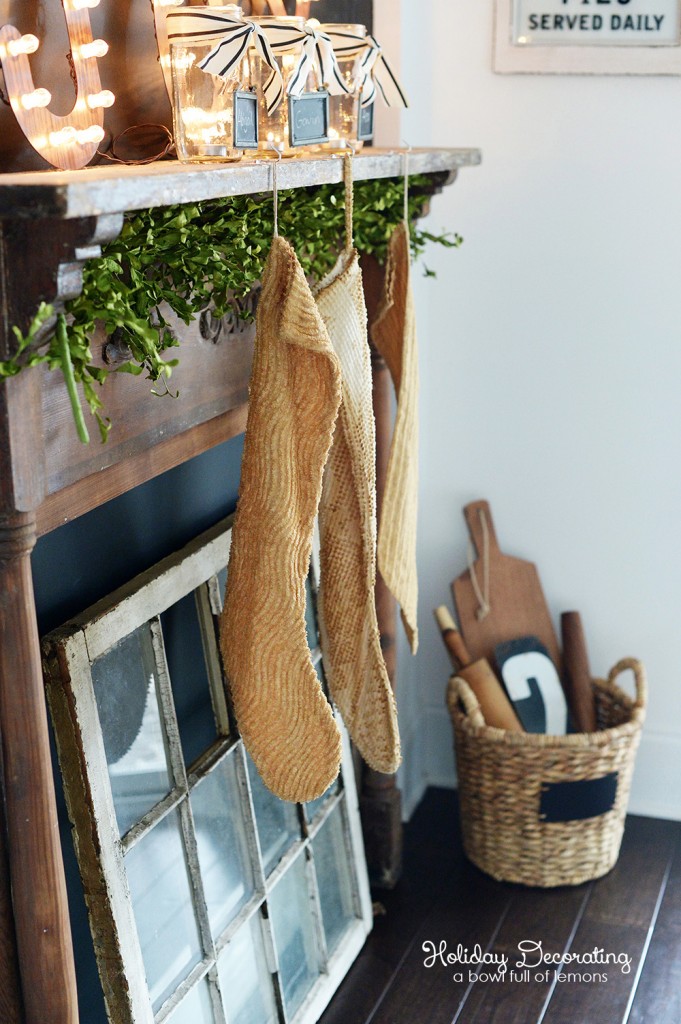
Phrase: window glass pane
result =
(125, 685)
(319, 669)
(276, 819)
(222, 843)
(310, 622)
(195, 1008)
(222, 583)
(189, 677)
(245, 981)
(333, 878)
(162, 904)
(314, 806)
(291, 914)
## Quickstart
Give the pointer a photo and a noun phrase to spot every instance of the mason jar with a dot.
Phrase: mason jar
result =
(206, 106)
(275, 128)
(349, 45)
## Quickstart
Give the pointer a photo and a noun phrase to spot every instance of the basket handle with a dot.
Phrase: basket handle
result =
(459, 690)
(640, 680)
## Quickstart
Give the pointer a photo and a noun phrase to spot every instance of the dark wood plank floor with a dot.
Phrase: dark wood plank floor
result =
(633, 913)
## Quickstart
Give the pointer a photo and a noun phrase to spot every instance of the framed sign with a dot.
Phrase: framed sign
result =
(627, 37)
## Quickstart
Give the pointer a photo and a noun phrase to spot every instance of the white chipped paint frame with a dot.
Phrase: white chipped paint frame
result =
(509, 58)
(68, 655)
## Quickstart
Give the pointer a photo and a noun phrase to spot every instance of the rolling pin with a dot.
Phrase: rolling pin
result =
(577, 677)
(494, 704)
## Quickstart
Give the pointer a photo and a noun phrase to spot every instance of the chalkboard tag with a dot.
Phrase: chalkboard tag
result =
(308, 118)
(245, 120)
(576, 801)
(365, 127)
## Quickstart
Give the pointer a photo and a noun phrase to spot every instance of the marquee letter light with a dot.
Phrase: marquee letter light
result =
(66, 142)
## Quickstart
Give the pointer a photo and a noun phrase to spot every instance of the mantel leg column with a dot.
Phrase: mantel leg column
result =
(41, 921)
(380, 800)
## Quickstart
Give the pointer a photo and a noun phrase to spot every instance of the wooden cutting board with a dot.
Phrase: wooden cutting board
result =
(517, 604)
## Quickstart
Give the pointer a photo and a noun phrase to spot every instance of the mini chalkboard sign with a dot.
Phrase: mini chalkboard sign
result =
(245, 120)
(308, 118)
(579, 800)
(365, 126)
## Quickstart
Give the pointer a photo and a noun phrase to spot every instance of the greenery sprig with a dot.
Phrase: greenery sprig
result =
(197, 255)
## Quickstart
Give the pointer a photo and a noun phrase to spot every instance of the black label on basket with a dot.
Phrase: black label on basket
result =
(308, 118)
(573, 801)
(365, 127)
(245, 120)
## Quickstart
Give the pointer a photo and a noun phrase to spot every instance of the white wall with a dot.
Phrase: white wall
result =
(551, 365)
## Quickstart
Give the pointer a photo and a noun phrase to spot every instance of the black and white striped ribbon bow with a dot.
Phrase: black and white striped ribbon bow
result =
(313, 48)
(233, 37)
(373, 73)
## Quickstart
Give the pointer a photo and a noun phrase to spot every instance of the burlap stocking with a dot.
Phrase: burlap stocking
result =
(393, 332)
(351, 644)
(284, 718)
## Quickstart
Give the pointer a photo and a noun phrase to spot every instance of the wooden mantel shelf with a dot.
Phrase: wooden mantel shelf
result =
(52, 221)
(113, 189)
(50, 224)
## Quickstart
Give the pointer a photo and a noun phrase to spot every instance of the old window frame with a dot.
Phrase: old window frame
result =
(69, 653)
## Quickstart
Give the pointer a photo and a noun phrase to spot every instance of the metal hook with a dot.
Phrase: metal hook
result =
(275, 185)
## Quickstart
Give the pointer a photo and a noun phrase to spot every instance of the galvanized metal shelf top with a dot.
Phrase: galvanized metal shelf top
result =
(114, 189)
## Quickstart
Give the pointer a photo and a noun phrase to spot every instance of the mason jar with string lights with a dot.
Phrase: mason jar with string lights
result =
(287, 37)
(349, 45)
(214, 115)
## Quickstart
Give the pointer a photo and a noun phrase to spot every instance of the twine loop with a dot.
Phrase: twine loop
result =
(481, 593)
(349, 199)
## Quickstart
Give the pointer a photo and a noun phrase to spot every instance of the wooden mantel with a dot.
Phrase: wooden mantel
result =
(50, 224)
(115, 189)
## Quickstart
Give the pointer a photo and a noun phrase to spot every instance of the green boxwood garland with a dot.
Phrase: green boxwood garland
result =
(199, 254)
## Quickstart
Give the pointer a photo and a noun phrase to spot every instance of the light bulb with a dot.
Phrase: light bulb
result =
(92, 134)
(37, 98)
(79, 5)
(97, 48)
(105, 98)
(64, 136)
(25, 44)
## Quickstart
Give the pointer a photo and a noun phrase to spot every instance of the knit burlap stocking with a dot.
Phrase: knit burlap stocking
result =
(284, 718)
(393, 332)
(351, 643)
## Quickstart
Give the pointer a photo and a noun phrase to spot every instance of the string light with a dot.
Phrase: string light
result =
(37, 98)
(25, 44)
(105, 98)
(97, 48)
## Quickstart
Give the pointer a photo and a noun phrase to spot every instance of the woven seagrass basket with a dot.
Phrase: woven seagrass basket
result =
(547, 810)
